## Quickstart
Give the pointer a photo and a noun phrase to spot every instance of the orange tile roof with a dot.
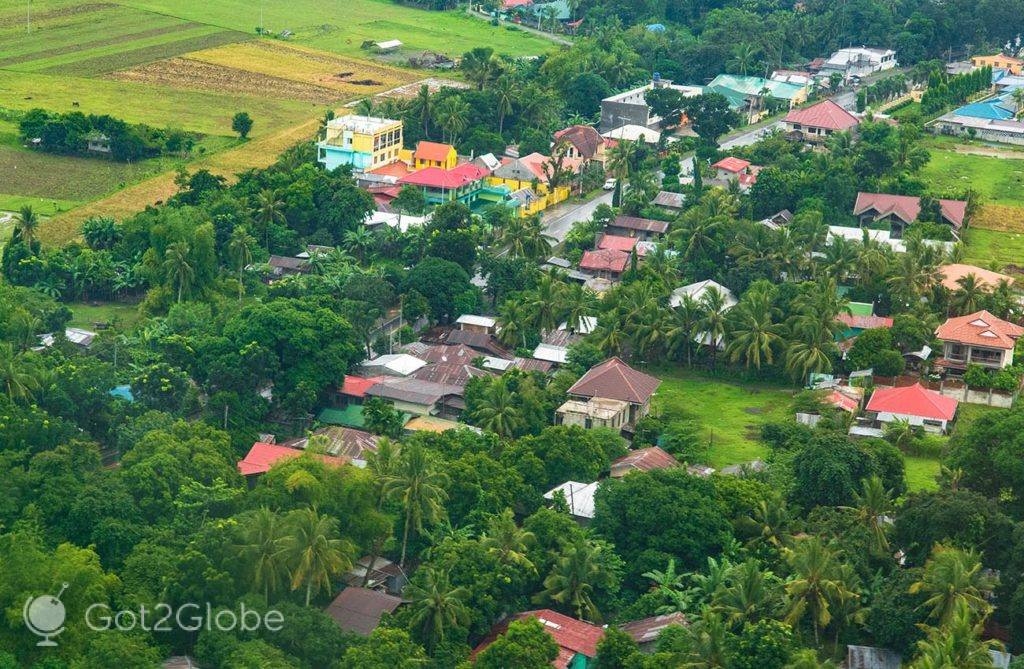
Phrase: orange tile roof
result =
(396, 169)
(980, 329)
(987, 278)
(825, 114)
(616, 243)
(433, 151)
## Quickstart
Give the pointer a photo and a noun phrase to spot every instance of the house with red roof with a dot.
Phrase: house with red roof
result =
(615, 380)
(605, 263)
(977, 339)
(434, 154)
(617, 243)
(735, 169)
(899, 211)
(262, 456)
(462, 183)
(577, 641)
(818, 122)
(914, 404)
(643, 460)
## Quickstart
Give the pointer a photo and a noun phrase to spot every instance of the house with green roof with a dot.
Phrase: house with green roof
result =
(746, 93)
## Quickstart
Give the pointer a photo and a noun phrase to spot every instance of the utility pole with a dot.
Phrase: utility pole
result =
(28, 17)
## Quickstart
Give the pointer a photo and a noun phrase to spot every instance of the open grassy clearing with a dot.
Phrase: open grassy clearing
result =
(341, 26)
(730, 414)
(85, 315)
(998, 178)
(987, 248)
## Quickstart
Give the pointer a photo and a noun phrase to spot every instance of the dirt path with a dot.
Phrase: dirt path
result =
(988, 153)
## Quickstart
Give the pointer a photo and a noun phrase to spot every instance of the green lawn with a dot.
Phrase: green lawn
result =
(85, 315)
(986, 247)
(999, 179)
(921, 471)
(730, 414)
(342, 26)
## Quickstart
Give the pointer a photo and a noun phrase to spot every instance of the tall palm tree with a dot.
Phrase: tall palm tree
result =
(423, 108)
(499, 409)
(753, 336)
(359, 241)
(513, 315)
(744, 55)
(268, 211)
(178, 267)
(1018, 100)
(262, 548)
(621, 158)
(574, 575)
(682, 323)
(240, 246)
(808, 659)
(811, 351)
(815, 584)
(769, 524)
(708, 645)
(711, 327)
(480, 66)
(315, 554)
(871, 506)
(419, 487)
(16, 376)
(27, 221)
(436, 606)
(545, 303)
(452, 115)
(505, 93)
(508, 541)
(525, 238)
(954, 578)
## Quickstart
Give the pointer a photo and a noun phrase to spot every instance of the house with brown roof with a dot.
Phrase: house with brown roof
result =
(359, 610)
(605, 263)
(977, 339)
(646, 631)
(899, 211)
(818, 122)
(614, 379)
(643, 460)
(582, 142)
(577, 641)
(344, 442)
(640, 228)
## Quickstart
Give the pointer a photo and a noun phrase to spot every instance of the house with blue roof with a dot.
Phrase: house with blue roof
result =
(992, 120)
(746, 93)
(999, 108)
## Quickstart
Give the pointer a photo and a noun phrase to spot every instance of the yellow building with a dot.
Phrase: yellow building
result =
(364, 142)
(529, 182)
(432, 154)
(999, 61)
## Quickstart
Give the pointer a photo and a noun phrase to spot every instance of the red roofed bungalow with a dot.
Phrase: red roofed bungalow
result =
(605, 263)
(819, 121)
(616, 243)
(643, 460)
(614, 379)
(902, 210)
(731, 165)
(979, 338)
(261, 457)
(577, 641)
(915, 404)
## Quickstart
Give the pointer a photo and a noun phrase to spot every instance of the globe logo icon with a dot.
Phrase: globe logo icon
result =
(44, 616)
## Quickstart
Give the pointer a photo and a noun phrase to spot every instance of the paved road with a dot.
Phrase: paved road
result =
(557, 39)
(559, 219)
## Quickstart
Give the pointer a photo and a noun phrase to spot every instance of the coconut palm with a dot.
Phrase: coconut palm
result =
(577, 571)
(953, 578)
(545, 303)
(27, 221)
(811, 350)
(621, 159)
(956, 644)
(871, 506)
(262, 549)
(314, 552)
(969, 295)
(808, 659)
(452, 115)
(513, 315)
(358, 241)
(525, 238)
(707, 646)
(912, 277)
(240, 246)
(753, 336)
(682, 323)
(499, 409)
(743, 56)
(480, 66)
(747, 595)
(178, 268)
(422, 107)
(435, 605)
(711, 328)
(769, 524)
(506, 540)
(1018, 100)
(268, 210)
(505, 94)
(16, 376)
(420, 489)
(580, 304)
(815, 585)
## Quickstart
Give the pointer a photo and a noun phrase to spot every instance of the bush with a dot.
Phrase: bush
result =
(977, 376)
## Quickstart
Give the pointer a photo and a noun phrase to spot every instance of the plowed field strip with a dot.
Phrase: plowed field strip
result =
(19, 19)
(119, 39)
(148, 54)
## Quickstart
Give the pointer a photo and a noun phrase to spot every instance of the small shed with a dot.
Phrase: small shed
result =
(384, 46)
(359, 610)
(97, 142)
(869, 657)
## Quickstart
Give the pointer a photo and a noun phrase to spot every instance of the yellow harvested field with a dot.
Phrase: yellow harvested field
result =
(348, 76)
(999, 217)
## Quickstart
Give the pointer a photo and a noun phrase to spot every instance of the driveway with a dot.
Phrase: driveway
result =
(558, 220)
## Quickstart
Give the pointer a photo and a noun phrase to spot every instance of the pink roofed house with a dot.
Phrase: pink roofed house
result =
(605, 263)
(819, 121)
(262, 456)
(899, 211)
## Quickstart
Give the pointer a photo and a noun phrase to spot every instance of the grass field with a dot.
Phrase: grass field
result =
(730, 415)
(998, 178)
(995, 248)
(341, 26)
(86, 315)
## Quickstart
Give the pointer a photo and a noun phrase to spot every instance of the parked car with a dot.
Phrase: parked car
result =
(609, 184)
